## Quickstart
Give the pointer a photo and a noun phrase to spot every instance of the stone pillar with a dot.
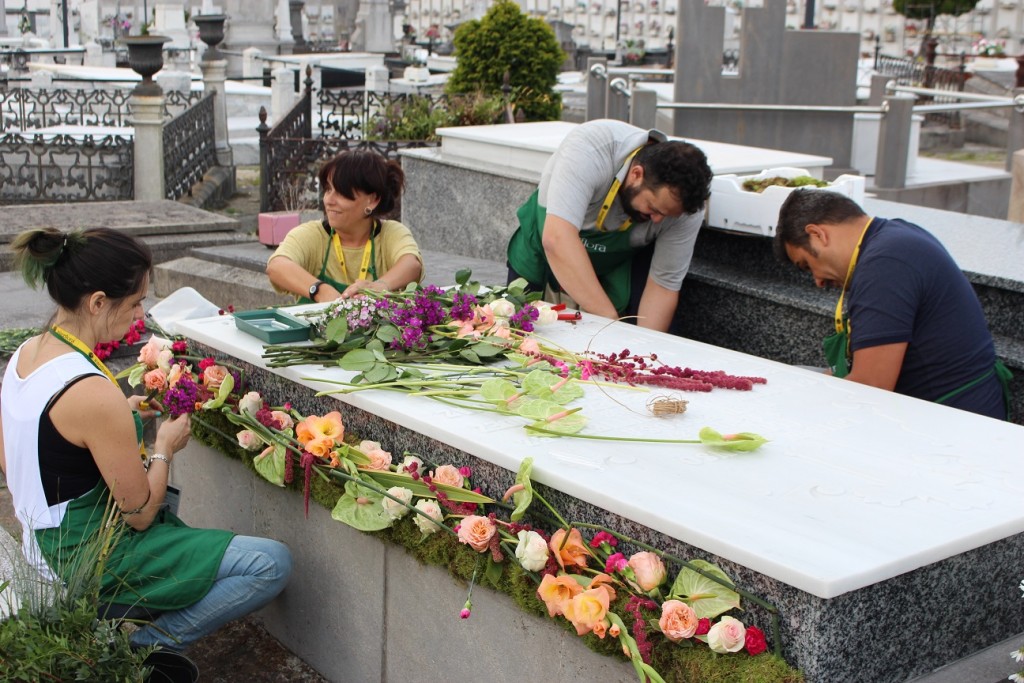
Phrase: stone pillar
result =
(1015, 132)
(597, 88)
(283, 24)
(3, 19)
(251, 25)
(148, 120)
(93, 54)
(894, 142)
(877, 93)
(282, 92)
(252, 64)
(214, 75)
(618, 103)
(374, 18)
(169, 20)
(41, 80)
(1016, 211)
(378, 79)
(643, 108)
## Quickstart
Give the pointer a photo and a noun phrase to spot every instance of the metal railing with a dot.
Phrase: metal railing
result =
(943, 83)
(24, 109)
(189, 148)
(351, 114)
(62, 168)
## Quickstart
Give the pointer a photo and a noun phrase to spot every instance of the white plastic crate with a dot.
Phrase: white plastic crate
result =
(733, 208)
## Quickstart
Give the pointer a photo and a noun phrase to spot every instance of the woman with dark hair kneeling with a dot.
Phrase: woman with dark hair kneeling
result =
(353, 249)
(71, 450)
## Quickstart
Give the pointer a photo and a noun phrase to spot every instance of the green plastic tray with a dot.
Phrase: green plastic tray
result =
(272, 326)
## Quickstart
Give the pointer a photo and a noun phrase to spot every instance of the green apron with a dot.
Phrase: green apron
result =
(610, 253)
(341, 286)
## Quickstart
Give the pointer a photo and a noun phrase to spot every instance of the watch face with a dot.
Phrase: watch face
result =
(313, 289)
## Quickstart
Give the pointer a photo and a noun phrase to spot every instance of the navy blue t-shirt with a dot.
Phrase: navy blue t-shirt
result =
(907, 288)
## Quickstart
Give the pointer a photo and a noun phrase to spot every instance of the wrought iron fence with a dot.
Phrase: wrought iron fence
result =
(350, 114)
(189, 148)
(25, 109)
(63, 167)
(908, 71)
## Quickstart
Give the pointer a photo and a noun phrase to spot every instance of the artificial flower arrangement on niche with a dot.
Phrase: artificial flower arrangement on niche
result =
(989, 48)
(476, 347)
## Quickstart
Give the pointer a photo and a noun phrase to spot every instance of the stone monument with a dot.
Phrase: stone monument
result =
(375, 25)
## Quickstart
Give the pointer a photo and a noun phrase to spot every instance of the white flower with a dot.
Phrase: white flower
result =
(250, 403)
(431, 509)
(409, 460)
(1016, 678)
(1018, 655)
(532, 551)
(395, 509)
(249, 440)
(502, 308)
(546, 315)
(1021, 586)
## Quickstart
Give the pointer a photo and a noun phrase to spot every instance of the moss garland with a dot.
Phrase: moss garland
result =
(678, 664)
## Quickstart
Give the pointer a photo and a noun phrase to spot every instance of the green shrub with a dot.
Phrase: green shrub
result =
(507, 41)
(417, 117)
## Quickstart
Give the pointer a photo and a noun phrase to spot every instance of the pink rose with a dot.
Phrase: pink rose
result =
(678, 620)
(248, 440)
(379, 458)
(155, 380)
(728, 635)
(529, 345)
(283, 419)
(648, 569)
(433, 511)
(447, 474)
(476, 532)
(214, 375)
(148, 353)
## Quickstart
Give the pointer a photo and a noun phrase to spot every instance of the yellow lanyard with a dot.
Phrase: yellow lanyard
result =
(364, 267)
(610, 198)
(78, 345)
(849, 276)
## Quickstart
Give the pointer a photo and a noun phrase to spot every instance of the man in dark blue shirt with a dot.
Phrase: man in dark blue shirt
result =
(911, 322)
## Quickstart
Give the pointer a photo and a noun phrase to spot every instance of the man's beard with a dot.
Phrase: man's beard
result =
(626, 197)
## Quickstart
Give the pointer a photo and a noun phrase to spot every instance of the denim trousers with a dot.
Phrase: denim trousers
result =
(252, 573)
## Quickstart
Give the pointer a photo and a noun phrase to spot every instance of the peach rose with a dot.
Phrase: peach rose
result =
(728, 635)
(648, 569)
(476, 532)
(678, 620)
(556, 592)
(587, 609)
(314, 427)
(248, 440)
(574, 553)
(433, 511)
(380, 460)
(283, 418)
(155, 380)
(214, 375)
(529, 345)
(148, 354)
(447, 474)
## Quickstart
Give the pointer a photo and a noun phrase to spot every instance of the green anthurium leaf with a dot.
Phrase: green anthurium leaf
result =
(498, 391)
(542, 385)
(357, 360)
(360, 508)
(353, 454)
(539, 409)
(270, 464)
(135, 374)
(570, 424)
(337, 329)
(493, 571)
(525, 497)
(388, 479)
(223, 392)
(743, 441)
(707, 598)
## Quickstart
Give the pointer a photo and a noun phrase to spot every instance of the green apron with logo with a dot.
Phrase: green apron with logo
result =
(839, 358)
(341, 286)
(610, 252)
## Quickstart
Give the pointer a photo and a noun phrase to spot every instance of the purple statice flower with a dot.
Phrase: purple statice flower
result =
(524, 318)
(181, 398)
(429, 310)
(462, 307)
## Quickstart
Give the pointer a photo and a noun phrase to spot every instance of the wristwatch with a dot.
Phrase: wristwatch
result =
(314, 288)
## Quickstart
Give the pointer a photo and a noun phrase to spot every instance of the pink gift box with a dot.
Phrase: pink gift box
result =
(274, 226)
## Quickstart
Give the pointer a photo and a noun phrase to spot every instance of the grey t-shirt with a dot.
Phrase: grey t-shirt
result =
(577, 178)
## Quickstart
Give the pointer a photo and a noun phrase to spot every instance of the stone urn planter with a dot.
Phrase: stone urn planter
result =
(211, 32)
(146, 57)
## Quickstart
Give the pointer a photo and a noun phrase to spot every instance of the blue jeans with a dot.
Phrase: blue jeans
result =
(252, 573)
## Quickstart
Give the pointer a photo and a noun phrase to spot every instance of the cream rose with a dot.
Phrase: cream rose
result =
(431, 509)
(728, 635)
(164, 358)
(678, 620)
(447, 474)
(248, 440)
(395, 509)
(250, 403)
(476, 532)
(407, 463)
(648, 569)
(502, 308)
(532, 551)
(546, 315)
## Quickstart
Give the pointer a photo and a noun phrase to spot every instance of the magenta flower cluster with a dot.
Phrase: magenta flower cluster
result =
(181, 398)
